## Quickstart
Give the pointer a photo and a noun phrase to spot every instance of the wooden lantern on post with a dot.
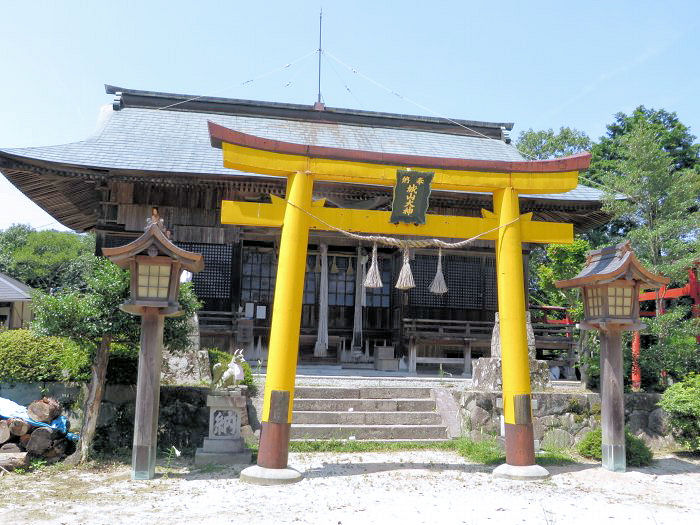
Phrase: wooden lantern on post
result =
(155, 264)
(610, 282)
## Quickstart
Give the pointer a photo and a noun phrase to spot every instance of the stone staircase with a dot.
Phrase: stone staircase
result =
(366, 414)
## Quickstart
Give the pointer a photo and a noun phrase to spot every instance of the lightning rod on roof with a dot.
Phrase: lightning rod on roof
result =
(319, 104)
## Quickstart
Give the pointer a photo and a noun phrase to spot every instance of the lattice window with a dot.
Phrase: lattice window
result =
(341, 284)
(490, 284)
(381, 297)
(468, 280)
(258, 275)
(213, 284)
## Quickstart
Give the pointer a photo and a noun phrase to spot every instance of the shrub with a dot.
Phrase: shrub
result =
(26, 357)
(219, 356)
(637, 453)
(682, 403)
(122, 368)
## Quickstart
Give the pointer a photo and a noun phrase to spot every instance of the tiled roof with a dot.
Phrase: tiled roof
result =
(177, 141)
(12, 290)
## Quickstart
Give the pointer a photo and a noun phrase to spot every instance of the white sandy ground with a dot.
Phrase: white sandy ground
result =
(432, 487)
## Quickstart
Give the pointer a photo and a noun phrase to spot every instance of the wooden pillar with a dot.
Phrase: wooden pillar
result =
(143, 459)
(286, 320)
(612, 399)
(467, 359)
(517, 412)
(412, 351)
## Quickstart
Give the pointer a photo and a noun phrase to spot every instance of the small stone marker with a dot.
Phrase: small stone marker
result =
(225, 445)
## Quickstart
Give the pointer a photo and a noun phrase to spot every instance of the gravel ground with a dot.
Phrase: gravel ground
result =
(418, 487)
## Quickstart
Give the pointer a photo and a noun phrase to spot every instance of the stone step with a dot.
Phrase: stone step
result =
(368, 432)
(366, 418)
(311, 392)
(364, 405)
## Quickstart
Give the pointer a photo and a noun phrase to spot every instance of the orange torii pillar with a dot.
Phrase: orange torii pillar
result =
(302, 164)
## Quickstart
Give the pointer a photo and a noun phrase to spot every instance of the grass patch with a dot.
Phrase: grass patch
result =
(487, 451)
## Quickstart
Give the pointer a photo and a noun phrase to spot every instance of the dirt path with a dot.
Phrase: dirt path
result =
(361, 488)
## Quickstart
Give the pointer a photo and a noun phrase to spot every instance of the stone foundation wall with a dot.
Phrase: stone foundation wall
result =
(562, 419)
(183, 420)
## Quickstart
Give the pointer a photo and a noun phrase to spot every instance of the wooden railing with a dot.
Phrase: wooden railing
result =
(216, 322)
(430, 334)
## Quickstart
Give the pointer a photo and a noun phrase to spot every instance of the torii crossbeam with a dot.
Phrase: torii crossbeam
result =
(298, 213)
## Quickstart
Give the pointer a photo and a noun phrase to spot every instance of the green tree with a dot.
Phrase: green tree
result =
(546, 144)
(659, 206)
(90, 315)
(673, 137)
(657, 200)
(45, 259)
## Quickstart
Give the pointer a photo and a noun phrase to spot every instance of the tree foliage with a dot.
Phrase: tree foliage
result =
(547, 144)
(88, 313)
(557, 262)
(658, 201)
(47, 259)
(682, 403)
(672, 135)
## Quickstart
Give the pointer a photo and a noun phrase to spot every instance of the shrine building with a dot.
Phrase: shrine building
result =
(154, 150)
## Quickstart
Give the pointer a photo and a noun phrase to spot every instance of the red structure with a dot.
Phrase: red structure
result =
(692, 290)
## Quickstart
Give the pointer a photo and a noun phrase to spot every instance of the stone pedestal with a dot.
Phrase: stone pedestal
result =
(225, 445)
(487, 370)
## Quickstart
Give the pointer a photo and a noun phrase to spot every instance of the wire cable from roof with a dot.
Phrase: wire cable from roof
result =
(245, 82)
(402, 97)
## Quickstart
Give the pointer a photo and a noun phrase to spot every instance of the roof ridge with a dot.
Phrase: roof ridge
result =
(183, 102)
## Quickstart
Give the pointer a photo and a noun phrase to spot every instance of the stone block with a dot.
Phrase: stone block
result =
(638, 421)
(222, 458)
(478, 417)
(658, 422)
(556, 438)
(387, 365)
(224, 445)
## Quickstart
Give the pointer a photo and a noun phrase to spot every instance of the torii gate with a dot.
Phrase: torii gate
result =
(304, 164)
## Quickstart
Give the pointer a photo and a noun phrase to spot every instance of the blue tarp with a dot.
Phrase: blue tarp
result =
(11, 410)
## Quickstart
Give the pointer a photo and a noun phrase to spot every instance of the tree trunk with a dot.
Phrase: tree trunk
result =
(93, 400)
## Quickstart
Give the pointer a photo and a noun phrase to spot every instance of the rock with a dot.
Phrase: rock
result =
(108, 412)
(568, 422)
(11, 461)
(478, 418)
(581, 434)
(658, 422)
(249, 436)
(186, 368)
(638, 421)
(556, 438)
(10, 448)
(486, 374)
(484, 402)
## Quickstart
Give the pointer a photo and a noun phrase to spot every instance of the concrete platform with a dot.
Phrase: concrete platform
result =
(258, 475)
(521, 473)
(222, 458)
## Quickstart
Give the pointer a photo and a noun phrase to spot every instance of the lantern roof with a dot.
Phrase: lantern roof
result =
(155, 235)
(612, 263)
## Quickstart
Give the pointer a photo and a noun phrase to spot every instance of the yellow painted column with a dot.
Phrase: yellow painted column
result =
(286, 320)
(511, 310)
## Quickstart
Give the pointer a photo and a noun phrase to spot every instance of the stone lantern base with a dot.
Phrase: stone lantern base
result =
(225, 446)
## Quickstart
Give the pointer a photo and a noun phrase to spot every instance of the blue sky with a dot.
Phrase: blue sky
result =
(538, 64)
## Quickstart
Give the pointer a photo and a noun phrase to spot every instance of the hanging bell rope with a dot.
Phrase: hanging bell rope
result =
(405, 280)
(439, 286)
(374, 278)
(334, 266)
